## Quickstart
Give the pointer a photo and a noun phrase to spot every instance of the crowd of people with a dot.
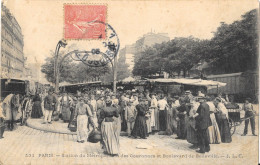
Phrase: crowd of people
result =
(199, 119)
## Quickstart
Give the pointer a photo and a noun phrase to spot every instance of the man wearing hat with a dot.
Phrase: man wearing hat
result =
(115, 101)
(130, 114)
(188, 96)
(202, 123)
(134, 99)
(162, 105)
(49, 105)
(250, 116)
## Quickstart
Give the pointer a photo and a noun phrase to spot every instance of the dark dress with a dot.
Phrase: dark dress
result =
(110, 137)
(72, 116)
(169, 122)
(182, 128)
(140, 127)
(37, 108)
(223, 127)
(123, 123)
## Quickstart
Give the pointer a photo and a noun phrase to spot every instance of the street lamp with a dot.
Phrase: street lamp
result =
(61, 43)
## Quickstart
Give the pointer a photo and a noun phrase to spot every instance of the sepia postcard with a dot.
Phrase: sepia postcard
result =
(140, 82)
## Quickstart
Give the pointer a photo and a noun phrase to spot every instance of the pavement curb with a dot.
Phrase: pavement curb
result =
(29, 124)
(48, 130)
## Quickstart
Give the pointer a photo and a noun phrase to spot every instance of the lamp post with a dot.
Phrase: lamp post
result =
(114, 74)
(61, 43)
(113, 63)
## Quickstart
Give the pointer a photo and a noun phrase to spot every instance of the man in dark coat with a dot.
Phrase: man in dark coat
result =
(49, 105)
(202, 123)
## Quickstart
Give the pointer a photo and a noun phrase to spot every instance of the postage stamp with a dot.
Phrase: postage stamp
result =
(81, 21)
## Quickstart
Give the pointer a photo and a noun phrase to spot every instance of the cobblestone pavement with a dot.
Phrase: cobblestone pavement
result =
(30, 146)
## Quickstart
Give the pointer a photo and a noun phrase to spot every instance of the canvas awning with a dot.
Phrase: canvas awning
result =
(210, 84)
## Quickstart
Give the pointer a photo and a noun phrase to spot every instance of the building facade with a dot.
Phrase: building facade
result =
(130, 53)
(12, 56)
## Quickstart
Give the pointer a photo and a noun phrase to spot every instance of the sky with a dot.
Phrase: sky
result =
(42, 25)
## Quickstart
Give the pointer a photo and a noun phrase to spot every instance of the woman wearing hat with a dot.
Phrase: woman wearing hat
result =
(213, 131)
(250, 115)
(154, 112)
(66, 102)
(37, 107)
(182, 119)
(140, 127)
(83, 113)
(222, 120)
(110, 139)
(191, 130)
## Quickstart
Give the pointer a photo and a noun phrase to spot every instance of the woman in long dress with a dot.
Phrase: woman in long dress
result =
(222, 120)
(213, 131)
(169, 118)
(110, 139)
(65, 107)
(140, 127)
(123, 104)
(82, 113)
(191, 131)
(154, 114)
(148, 117)
(175, 104)
(37, 107)
(117, 120)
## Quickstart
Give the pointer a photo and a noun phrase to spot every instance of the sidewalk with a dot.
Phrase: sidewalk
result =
(56, 127)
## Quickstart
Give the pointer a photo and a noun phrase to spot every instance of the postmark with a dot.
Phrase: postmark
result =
(102, 55)
(81, 21)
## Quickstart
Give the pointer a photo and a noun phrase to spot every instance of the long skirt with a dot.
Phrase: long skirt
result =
(82, 130)
(95, 119)
(191, 132)
(156, 120)
(174, 121)
(140, 127)
(182, 127)
(223, 128)
(162, 119)
(152, 117)
(117, 126)
(123, 123)
(2, 127)
(37, 110)
(71, 115)
(225, 131)
(213, 131)
(109, 137)
(169, 124)
(65, 111)
(148, 123)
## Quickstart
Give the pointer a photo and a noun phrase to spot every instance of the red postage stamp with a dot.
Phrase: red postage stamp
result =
(84, 21)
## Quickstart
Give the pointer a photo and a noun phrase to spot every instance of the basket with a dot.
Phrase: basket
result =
(94, 136)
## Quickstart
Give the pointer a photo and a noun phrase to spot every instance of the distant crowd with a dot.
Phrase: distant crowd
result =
(199, 119)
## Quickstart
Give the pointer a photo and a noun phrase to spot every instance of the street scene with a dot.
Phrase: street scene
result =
(118, 82)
